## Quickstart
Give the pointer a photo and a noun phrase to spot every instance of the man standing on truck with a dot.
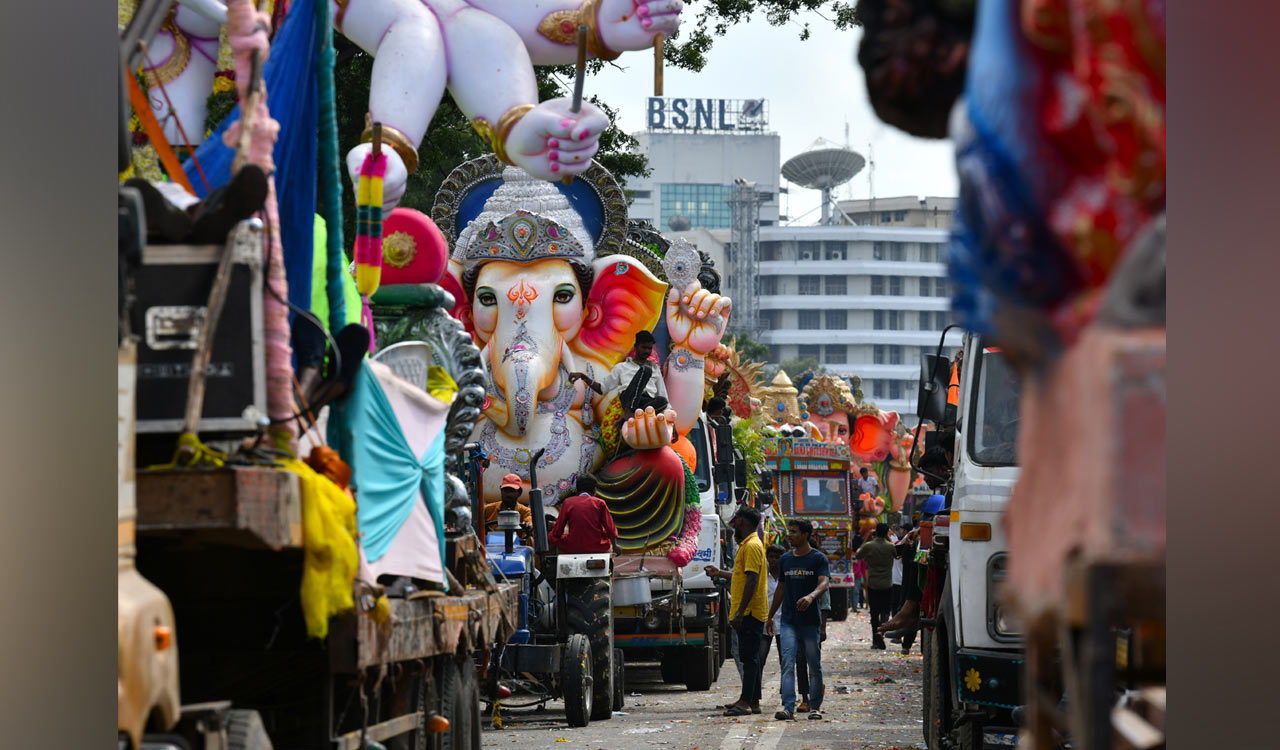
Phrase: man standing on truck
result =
(805, 577)
(588, 520)
(935, 466)
(868, 483)
(749, 604)
(879, 554)
(511, 489)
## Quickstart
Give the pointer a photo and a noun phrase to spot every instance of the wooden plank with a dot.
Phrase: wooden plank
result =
(379, 732)
(241, 506)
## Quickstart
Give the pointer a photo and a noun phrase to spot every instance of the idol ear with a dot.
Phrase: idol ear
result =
(625, 298)
(452, 283)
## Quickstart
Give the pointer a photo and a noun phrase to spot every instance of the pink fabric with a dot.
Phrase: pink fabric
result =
(246, 31)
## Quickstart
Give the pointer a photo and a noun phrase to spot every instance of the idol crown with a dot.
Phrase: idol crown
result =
(523, 237)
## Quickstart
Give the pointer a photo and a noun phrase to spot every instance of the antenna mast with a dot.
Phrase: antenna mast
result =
(871, 181)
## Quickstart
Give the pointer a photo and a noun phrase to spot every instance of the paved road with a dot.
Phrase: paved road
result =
(872, 703)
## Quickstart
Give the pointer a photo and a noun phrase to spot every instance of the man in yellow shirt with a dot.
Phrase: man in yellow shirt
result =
(748, 605)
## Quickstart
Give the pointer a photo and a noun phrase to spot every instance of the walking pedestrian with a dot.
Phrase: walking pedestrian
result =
(748, 591)
(879, 554)
(802, 665)
(805, 575)
(774, 557)
(895, 538)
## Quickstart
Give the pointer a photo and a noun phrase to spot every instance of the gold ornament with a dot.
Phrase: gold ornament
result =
(406, 148)
(496, 135)
(398, 249)
(561, 27)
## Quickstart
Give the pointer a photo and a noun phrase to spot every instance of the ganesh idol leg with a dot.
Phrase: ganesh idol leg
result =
(409, 75)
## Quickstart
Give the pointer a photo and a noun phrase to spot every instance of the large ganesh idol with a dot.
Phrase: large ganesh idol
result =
(548, 287)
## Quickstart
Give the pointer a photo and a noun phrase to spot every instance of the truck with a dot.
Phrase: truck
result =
(676, 617)
(812, 478)
(972, 647)
(213, 651)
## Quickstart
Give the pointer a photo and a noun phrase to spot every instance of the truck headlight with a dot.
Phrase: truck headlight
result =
(1004, 622)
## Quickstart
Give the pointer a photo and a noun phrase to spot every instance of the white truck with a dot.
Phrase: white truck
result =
(973, 653)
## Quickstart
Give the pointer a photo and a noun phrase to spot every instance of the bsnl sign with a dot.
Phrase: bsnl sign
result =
(749, 115)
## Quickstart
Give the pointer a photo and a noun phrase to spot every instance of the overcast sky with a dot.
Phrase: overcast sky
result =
(813, 87)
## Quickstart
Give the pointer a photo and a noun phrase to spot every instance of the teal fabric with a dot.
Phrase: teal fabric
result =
(386, 475)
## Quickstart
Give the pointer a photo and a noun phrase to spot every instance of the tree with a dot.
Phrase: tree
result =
(749, 349)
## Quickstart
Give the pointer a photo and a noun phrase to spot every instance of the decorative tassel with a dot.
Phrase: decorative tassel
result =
(368, 247)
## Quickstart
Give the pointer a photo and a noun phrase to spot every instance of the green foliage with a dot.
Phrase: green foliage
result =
(688, 47)
(748, 437)
(749, 349)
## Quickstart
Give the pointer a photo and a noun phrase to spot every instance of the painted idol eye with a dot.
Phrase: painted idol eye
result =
(565, 293)
(486, 296)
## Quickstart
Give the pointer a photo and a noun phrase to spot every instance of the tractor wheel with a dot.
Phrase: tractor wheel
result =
(575, 680)
(619, 680)
(589, 608)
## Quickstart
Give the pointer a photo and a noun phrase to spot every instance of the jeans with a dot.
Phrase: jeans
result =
(791, 639)
(855, 595)
(750, 634)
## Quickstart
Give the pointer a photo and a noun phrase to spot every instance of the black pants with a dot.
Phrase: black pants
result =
(880, 600)
(895, 602)
(750, 633)
(765, 643)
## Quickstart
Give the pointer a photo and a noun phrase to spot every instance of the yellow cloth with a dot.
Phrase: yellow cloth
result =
(330, 558)
(440, 384)
(750, 558)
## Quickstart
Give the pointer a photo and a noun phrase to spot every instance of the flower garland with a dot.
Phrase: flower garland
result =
(687, 542)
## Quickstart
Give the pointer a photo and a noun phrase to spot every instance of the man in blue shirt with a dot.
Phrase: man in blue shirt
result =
(805, 577)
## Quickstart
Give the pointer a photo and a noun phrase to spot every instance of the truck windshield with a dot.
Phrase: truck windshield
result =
(821, 494)
(994, 436)
(702, 473)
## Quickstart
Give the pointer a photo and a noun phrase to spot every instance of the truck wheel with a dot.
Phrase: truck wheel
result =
(245, 731)
(469, 710)
(937, 724)
(926, 674)
(453, 705)
(672, 667)
(417, 739)
(970, 736)
(575, 680)
(619, 680)
(839, 604)
(700, 669)
(590, 612)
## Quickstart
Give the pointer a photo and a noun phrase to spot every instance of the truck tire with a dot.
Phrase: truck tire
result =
(926, 674)
(469, 687)
(589, 610)
(245, 731)
(672, 666)
(937, 724)
(700, 669)
(456, 705)
(417, 739)
(619, 680)
(839, 604)
(575, 680)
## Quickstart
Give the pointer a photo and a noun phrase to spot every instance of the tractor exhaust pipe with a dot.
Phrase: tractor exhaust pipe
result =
(536, 507)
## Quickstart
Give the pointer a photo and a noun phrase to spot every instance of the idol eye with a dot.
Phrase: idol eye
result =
(486, 297)
(564, 293)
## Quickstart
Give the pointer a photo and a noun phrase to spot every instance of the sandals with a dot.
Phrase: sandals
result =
(737, 711)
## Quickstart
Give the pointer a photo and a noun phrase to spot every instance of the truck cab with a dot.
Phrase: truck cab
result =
(974, 654)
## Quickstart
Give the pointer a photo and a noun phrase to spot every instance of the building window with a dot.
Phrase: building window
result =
(897, 251)
(810, 351)
(770, 319)
(768, 285)
(775, 353)
(893, 318)
(641, 194)
(877, 321)
(837, 354)
(940, 288)
(877, 285)
(886, 217)
(899, 215)
(809, 284)
(879, 389)
(810, 320)
(878, 354)
(837, 284)
(770, 251)
(895, 355)
(833, 250)
(926, 321)
(878, 250)
(810, 250)
(837, 320)
(926, 351)
(895, 286)
(703, 205)
(926, 286)
(941, 320)
(895, 389)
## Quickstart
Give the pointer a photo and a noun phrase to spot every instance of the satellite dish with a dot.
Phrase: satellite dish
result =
(824, 168)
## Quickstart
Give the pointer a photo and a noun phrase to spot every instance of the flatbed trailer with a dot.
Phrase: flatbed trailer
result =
(225, 546)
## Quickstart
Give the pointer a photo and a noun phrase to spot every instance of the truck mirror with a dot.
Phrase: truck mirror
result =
(740, 471)
(935, 377)
(724, 443)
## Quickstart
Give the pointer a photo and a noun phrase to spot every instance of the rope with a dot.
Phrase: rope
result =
(329, 166)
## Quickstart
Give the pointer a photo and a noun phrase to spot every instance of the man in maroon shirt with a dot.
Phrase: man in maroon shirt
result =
(589, 522)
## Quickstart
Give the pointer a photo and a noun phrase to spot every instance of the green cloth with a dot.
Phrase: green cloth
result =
(879, 554)
(319, 296)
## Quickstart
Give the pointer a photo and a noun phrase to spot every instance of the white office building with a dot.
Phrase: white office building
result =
(867, 296)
